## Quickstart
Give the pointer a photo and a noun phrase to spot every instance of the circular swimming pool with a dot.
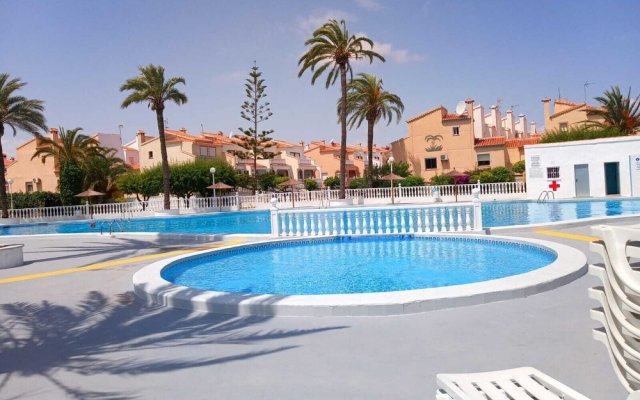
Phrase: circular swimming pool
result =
(366, 264)
(363, 275)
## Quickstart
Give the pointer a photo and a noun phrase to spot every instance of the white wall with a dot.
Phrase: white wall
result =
(595, 153)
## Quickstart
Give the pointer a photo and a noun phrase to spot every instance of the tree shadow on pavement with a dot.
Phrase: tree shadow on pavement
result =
(99, 336)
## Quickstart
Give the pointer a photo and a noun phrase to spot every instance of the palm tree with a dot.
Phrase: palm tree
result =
(618, 111)
(332, 48)
(71, 146)
(367, 100)
(102, 172)
(152, 88)
(17, 112)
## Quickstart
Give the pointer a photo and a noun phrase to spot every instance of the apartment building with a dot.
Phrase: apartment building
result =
(439, 141)
(566, 114)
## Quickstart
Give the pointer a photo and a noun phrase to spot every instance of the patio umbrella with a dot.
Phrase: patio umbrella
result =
(219, 186)
(88, 194)
(291, 183)
(391, 177)
(455, 174)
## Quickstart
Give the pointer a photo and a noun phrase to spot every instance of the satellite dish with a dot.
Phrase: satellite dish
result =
(461, 107)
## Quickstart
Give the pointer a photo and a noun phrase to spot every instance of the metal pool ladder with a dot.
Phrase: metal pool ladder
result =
(545, 195)
(113, 225)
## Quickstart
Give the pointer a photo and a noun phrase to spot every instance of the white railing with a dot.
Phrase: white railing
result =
(262, 201)
(459, 217)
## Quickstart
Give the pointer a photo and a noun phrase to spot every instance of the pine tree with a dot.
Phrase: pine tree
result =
(255, 110)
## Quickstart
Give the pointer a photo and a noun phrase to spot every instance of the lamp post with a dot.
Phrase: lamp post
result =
(391, 160)
(213, 179)
(10, 182)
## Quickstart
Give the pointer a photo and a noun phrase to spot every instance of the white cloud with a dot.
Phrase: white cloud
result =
(313, 21)
(371, 5)
(231, 76)
(391, 53)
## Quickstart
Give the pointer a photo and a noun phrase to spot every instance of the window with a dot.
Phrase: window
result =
(295, 154)
(456, 131)
(203, 151)
(564, 126)
(430, 163)
(151, 155)
(484, 159)
(553, 172)
(29, 187)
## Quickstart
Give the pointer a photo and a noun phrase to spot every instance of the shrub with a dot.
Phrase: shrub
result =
(35, 199)
(412, 180)
(332, 182)
(267, 181)
(579, 133)
(486, 176)
(71, 182)
(311, 184)
(518, 167)
(358, 183)
(502, 174)
(441, 180)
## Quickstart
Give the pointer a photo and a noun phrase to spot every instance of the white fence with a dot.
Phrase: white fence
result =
(458, 217)
(318, 198)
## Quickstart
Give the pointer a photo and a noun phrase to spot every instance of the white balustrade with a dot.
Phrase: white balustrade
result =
(439, 218)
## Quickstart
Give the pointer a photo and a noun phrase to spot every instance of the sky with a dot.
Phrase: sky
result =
(76, 54)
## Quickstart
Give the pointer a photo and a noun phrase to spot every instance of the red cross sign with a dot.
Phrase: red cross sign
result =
(554, 185)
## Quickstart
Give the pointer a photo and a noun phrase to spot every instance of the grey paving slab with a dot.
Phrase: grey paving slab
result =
(83, 336)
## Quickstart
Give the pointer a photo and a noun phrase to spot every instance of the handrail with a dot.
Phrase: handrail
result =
(546, 193)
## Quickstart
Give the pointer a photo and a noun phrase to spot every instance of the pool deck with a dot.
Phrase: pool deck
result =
(101, 343)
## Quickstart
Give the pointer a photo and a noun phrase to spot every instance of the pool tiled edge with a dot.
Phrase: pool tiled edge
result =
(569, 265)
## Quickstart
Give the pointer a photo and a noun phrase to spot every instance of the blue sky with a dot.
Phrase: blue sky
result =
(76, 54)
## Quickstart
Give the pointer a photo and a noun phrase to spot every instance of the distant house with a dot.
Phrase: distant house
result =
(439, 141)
(327, 158)
(567, 114)
(39, 174)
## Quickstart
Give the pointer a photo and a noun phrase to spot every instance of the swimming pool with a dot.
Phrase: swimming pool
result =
(494, 214)
(345, 265)
(358, 275)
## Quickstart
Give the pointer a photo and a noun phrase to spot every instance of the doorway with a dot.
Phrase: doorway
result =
(612, 178)
(582, 180)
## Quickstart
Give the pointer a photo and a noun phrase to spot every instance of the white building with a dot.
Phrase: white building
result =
(587, 168)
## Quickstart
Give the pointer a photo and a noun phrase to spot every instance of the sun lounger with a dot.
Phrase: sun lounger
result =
(517, 384)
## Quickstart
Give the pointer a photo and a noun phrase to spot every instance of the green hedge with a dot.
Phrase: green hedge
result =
(35, 200)
(579, 133)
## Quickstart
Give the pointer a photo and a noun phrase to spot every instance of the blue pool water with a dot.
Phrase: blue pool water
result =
(357, 265)
(499, 213)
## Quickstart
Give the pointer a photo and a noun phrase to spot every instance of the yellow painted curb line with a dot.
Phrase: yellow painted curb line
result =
(566, 235)
(114, 263)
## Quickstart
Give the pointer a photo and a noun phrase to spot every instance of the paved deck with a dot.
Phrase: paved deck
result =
(82, 335)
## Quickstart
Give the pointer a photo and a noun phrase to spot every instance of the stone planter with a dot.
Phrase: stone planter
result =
(11, 256)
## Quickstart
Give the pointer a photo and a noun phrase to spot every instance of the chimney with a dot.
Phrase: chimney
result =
(469, 103)
(523, 125)
(479, 126)
(511, 126)
(140, 137)
(302, 143)
(533, 128)
(546, 102)
(54, 133)
(183, 130)
(323, 142)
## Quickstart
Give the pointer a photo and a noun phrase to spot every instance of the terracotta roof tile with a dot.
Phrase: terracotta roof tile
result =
(522, 142)
(493, 141)
(454, 116)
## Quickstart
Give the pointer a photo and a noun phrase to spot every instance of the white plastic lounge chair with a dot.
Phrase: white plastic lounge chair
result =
(510, 384)
(615, 256)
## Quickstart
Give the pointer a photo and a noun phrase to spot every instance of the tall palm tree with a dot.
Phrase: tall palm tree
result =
(17, 112)
(618, 111)
(152, 88)
(367, 100)
(332, 48)
(71, 146)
